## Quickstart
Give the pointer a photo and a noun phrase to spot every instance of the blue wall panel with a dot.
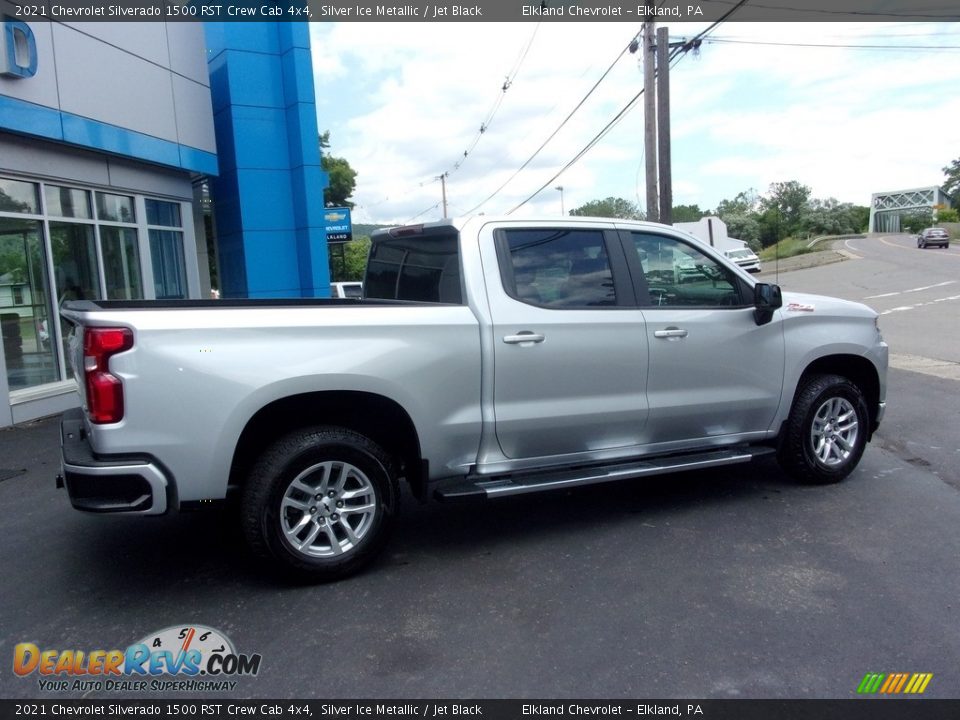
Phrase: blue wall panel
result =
(268, 198)
(53, 124)
(260, 138)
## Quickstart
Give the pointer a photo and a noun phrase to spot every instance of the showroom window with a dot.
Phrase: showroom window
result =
(62, 242)
(30, 357)
(166, 249)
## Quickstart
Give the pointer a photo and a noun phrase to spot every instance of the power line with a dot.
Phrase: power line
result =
(424, 212)
(589, 146)
(593, 142)
(554, 133)
(680, 51)
(488, 118)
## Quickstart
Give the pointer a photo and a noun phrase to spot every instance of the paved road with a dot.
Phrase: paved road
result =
(917, 293)
(732, 583)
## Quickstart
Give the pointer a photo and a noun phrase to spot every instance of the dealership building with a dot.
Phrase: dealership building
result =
(124, 148)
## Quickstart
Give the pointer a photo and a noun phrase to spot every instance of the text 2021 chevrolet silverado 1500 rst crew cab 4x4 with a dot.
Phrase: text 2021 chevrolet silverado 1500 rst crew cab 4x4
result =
(489, 357)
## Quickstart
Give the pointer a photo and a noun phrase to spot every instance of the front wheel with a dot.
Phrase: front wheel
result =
(320, 503)
(826, 432)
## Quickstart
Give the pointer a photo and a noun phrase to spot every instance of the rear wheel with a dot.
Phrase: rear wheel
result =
(826, 433)
(320, 503)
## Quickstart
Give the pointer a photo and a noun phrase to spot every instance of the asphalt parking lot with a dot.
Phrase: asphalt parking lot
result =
(710, 584)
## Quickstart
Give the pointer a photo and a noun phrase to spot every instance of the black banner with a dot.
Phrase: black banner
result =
(481, 10)
(222, 709)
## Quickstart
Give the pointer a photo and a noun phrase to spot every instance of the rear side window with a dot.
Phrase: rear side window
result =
(422, 269)
(557, 268)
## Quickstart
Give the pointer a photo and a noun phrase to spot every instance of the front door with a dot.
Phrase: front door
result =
(713, 372)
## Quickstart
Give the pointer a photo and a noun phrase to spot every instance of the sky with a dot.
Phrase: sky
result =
(404, 101)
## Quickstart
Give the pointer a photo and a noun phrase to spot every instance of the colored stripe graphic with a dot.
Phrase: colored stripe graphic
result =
(870, 683)
(918, 683)
(894, 683)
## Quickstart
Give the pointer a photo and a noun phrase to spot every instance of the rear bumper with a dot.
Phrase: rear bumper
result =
(133, 485)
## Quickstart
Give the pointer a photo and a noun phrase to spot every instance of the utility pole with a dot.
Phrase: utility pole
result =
(650, 120)
(443, 190)
(562, 210)
(663, 125)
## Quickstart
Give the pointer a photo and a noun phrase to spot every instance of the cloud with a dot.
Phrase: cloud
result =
(403, 101)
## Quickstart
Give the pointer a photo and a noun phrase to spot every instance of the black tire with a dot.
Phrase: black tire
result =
(814, 448)
(342, 522)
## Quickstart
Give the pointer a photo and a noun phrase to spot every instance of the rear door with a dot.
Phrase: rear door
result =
(570, 353)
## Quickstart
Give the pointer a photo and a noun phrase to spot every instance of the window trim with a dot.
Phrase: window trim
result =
(622, 285)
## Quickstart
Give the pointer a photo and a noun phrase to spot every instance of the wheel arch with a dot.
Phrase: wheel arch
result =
(379, 418)
(857, 369)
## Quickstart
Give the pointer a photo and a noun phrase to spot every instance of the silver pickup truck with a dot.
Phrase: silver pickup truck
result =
(489, 357)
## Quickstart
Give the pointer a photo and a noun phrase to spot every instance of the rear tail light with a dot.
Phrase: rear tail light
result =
(104, 391)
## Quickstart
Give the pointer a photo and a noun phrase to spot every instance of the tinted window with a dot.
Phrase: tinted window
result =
(19, 197)
(680, 275)
(423, 269)
(163, 213)
(68, 202)
(557, 268)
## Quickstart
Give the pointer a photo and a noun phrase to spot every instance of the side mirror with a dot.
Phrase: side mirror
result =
(766, 299)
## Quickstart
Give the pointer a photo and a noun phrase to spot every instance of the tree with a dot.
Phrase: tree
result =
(343, 178)
(771, 227)
(746, 202)
(744, 226)
(355, 258)
(952, 185)
(688, 213)
(831, 217)
(916, 220)
(10, 204)
(948, 215)
(611, 207)
(789, 199)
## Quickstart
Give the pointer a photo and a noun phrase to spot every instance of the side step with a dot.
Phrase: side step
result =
(477, 487)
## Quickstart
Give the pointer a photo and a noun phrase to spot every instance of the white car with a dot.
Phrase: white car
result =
(745, 258)
(346, 290)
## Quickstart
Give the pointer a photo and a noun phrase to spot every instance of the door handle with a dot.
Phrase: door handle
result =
(524, 336)
(671, 332)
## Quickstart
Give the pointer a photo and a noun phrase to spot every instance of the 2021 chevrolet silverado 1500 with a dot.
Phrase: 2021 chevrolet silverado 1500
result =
(489, 357)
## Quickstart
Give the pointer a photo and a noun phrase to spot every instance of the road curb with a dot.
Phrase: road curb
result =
(805, 261)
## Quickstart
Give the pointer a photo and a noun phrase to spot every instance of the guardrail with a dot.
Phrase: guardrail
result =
(855, 236)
